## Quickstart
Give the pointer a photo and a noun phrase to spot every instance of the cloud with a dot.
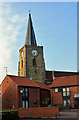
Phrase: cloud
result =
(9, 31)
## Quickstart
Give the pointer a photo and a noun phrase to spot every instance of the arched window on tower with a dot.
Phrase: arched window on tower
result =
(34, 62)
(22, 63)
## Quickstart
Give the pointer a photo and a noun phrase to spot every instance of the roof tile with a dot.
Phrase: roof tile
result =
(65, 81)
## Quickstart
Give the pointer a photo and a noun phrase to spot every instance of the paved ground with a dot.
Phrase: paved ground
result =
(68, 115)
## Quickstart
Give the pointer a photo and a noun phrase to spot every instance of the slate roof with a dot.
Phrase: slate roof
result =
(65, 81)
(30, 35)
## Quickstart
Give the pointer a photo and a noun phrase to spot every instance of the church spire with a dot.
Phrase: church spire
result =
(30, 36)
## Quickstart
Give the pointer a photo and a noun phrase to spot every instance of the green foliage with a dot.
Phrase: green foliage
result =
(12, 115)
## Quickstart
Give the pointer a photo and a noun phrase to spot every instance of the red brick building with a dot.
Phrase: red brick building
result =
(65, 90)
(21, 92)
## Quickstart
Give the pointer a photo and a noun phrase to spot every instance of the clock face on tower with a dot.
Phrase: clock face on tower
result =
(34, 52)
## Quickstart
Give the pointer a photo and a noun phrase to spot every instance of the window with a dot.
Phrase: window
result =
(66, 92)
(35, 102)
(22, 54)
(56, 89)
(35, 71)
(25, 92)
(64, 89)
(64, 102)
(22, 63)
(24, 103)
(67, 89)
(34, 62)
(34, 90)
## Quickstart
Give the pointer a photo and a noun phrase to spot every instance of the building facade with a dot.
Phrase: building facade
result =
(21, 92)
(65, 91)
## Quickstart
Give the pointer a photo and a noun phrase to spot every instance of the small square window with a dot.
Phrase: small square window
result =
(64, 89)
(64, 102)
(56, 89)
(64, 93)
(68, 93)
(67, 89)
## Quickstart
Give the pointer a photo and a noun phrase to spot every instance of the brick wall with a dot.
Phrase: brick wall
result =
(57, 98)
(42, 112)
(74, 90)
(34, 96)
(9, 96)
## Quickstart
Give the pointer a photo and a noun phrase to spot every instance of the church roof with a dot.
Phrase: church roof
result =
(65, 81)
(30, 35)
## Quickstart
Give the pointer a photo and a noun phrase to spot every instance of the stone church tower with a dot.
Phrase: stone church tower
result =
(31, 61)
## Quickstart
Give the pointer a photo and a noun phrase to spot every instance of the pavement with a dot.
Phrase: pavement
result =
(69, 114)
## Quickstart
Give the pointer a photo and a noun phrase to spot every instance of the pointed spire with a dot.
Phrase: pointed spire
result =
(30, 36)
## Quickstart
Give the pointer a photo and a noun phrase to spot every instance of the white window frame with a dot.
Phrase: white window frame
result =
(56, 90)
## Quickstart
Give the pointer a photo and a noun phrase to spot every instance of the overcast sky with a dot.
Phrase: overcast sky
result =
(55, 26)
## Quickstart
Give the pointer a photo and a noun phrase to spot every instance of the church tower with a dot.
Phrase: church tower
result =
(31, 61)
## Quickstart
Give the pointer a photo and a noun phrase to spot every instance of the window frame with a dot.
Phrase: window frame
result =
(55, 90)
(34, 62)
(66, 91)
(35, 102)
(25, 93)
